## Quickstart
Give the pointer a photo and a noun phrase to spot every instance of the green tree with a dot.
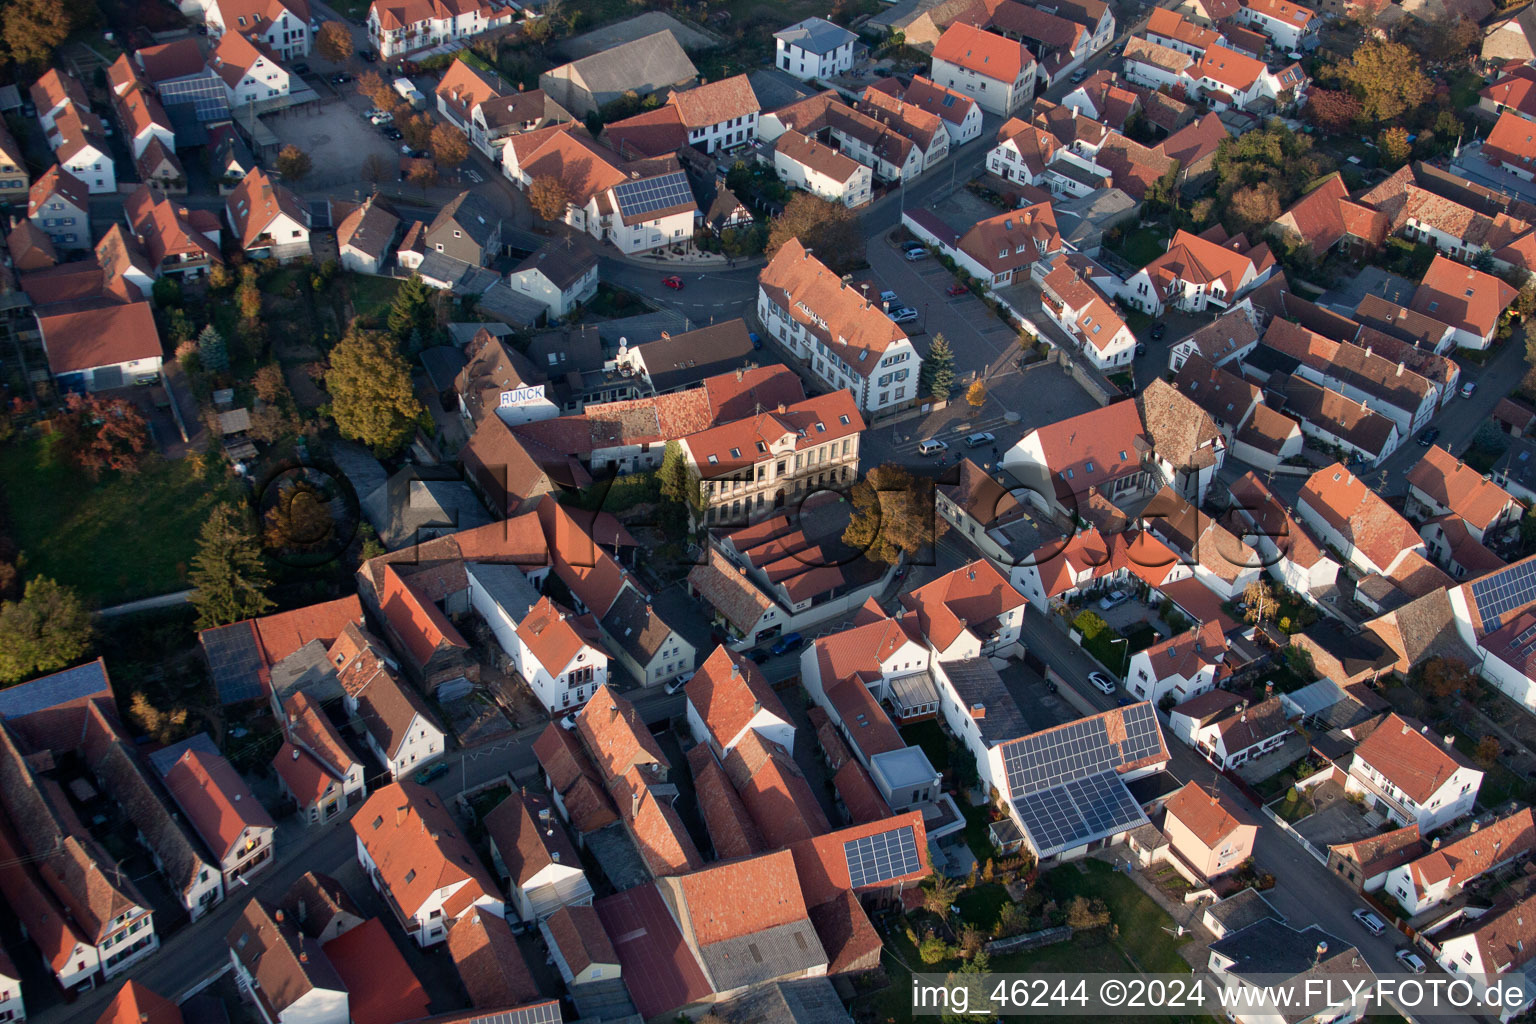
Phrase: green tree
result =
(937, 377)
(830, 230)
(371, 396)
(412, 309)
(48, 629)
(679, 483)
(1388, 78)
(213, 350)
(939, 894)
(166, 292)
(229, 573)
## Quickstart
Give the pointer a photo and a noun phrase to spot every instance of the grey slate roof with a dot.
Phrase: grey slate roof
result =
(408, 509)
(633, 627)
(463, 333)
(1269, 946)
(48, 691)
(506, 585)
(563, 265)
(1242, 909)
(307, 670)
(462, 278)
(801, 1001)
(977, 682)
(129, 786)
(816, 35)
(685, 359)
(762, 956)
(500, 300)
(643, 63)
(163, 759)
(472, 214)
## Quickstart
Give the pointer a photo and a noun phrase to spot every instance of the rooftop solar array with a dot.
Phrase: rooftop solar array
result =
(52, 690)
(882, 857)
(234, 662)
(1503, 592)
(206, 95)
(1083, 748)
(1078, 812)
(540, 1013)
(653, 194)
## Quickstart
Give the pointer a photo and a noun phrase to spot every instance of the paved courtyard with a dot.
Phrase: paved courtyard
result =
(338, 142)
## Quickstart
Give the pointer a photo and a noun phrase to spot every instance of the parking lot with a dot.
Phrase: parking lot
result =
(337, 140)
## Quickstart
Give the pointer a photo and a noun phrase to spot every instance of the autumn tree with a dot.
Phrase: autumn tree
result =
(34, 29)
(248, 294)
(893, 513)
(293, 163)
(269, 384)
(537, 30)
(1253, 207)
(1260, 601)
(372, 85)
(936, 379)
(1394, 146)
(229, 573)
(99, 434)
(1274, 155)
(976, 394)
(334, 42)
(161, 726)
(1332, 110)
(449, 147)
(417, 131)
(1488, 750)
(1441, 677)
(300, 520)
(1084, 914)
(939, 894)
(549, 196)
(830, 230)
(48, 629)
(1388, 78)
(1449, 38)
(371, 396)
(423, 174)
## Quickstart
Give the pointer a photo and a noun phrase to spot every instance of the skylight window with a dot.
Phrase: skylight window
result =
(821, 428)
(843, 419)
(714, 460)
(735, 453)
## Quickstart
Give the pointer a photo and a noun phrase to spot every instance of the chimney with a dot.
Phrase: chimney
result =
(978, 710)
(1475, 826)
(295, 753)
(303, 909)
(735, 670)
(303, 957)
(400, 813)
(1399, 369)
(1450, 741)
(757, 706)
(1435, 844)
(634, 804)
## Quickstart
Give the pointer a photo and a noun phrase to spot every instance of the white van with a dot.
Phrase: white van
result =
(932, 447)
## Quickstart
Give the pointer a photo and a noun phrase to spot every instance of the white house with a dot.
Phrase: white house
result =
(819, 169)
(1181, 667)
(414, 854)
(1244, 734)
(12, 1009)
(364, 236)
(1195, 274)
(1446, 870)
(972, 612)
(535, 857)
(559, 276)
(221, 809)
(845, 339)
(1087, 316)
(280, 25)
(1404, 773)
(998, 73)
(961, 114)
(1473, 948)
(1287, 549)
(560, 656)
(1346, 513)
(314, 767)
(250, 71)
(268, 220)
(102, 347)
(397, 27)
(1269, 952)
(1289, 26)
(281, 971)
(718, 115)
(394, 720)
(80, 146)
(814, 48)
(728, 697)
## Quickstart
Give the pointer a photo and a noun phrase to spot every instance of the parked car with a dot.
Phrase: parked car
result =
(392, 133)
(889, 296)
(1411, 960)
(383, 117)
(341, 78)
(1469, 389)
(676, 685)
(759, 656)
(956, 289)
(300, 68)
(1114, 599)
(1428, 436)
(913, 255)
(786, 643)
(1369, 921)
(904, 315)
(756, 341)
(1141, 348)
(430, 772)
(980, 438)
(914, 244)
(369, 56)
(674, 282)
(1101, 683)
(932, 446)
(1158, 330)
(1079, 75)
(568, 722)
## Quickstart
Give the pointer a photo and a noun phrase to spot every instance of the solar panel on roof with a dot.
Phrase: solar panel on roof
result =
(1078, 812)
(1503, 592)
(233, 662)
(543, 1013)
(882, 857)
(206, 95)
(652, 194)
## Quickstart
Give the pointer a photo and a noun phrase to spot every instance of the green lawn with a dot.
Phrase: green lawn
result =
(1141, 920)
(119, 539)
(371, 295)
(982, 905)
(1143, 245)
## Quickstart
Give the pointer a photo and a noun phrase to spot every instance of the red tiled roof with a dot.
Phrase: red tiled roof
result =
(1376, 854)
(1477, 852)
(418, 849)
(555, 636)
(991, 56)
(1092, 448)
(490, 965)
(615, 736)
(731, 829)
(215, 800)
(1461, 296)
(744, 897)
(1209, 815)
(137, 1004)
(1451, 483)
(1414, 762)
(419, 623)
(381, 988)
(851, 327)
(859, 794)
(715, 102)
(971, 596)
(572, 776)
(822, 864)
(103, 336)
(578, 935)
(659, 969)
(653, 822)
(1512, 141)
(1347, 504)
(727, 691)
(774, 791)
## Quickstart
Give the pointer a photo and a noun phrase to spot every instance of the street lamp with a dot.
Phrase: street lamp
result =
(1125, 661)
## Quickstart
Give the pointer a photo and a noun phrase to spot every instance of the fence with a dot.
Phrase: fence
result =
(1320, 856)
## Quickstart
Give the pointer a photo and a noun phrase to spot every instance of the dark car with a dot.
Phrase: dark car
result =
(759, 656)
(430, 772)
(1428, 436)
(369, 56)
(1158, 330)
(300, 69)
(392, 133)
(1141, 348)
(341, 78)
(788, 642)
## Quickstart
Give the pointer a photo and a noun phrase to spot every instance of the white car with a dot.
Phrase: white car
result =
(676, 685)
(382, 118)
(932, 447)
(1469, 389)
(889, 296)
(1409, 959)
(1114, 599)
(568, 723)
(1101, 684)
